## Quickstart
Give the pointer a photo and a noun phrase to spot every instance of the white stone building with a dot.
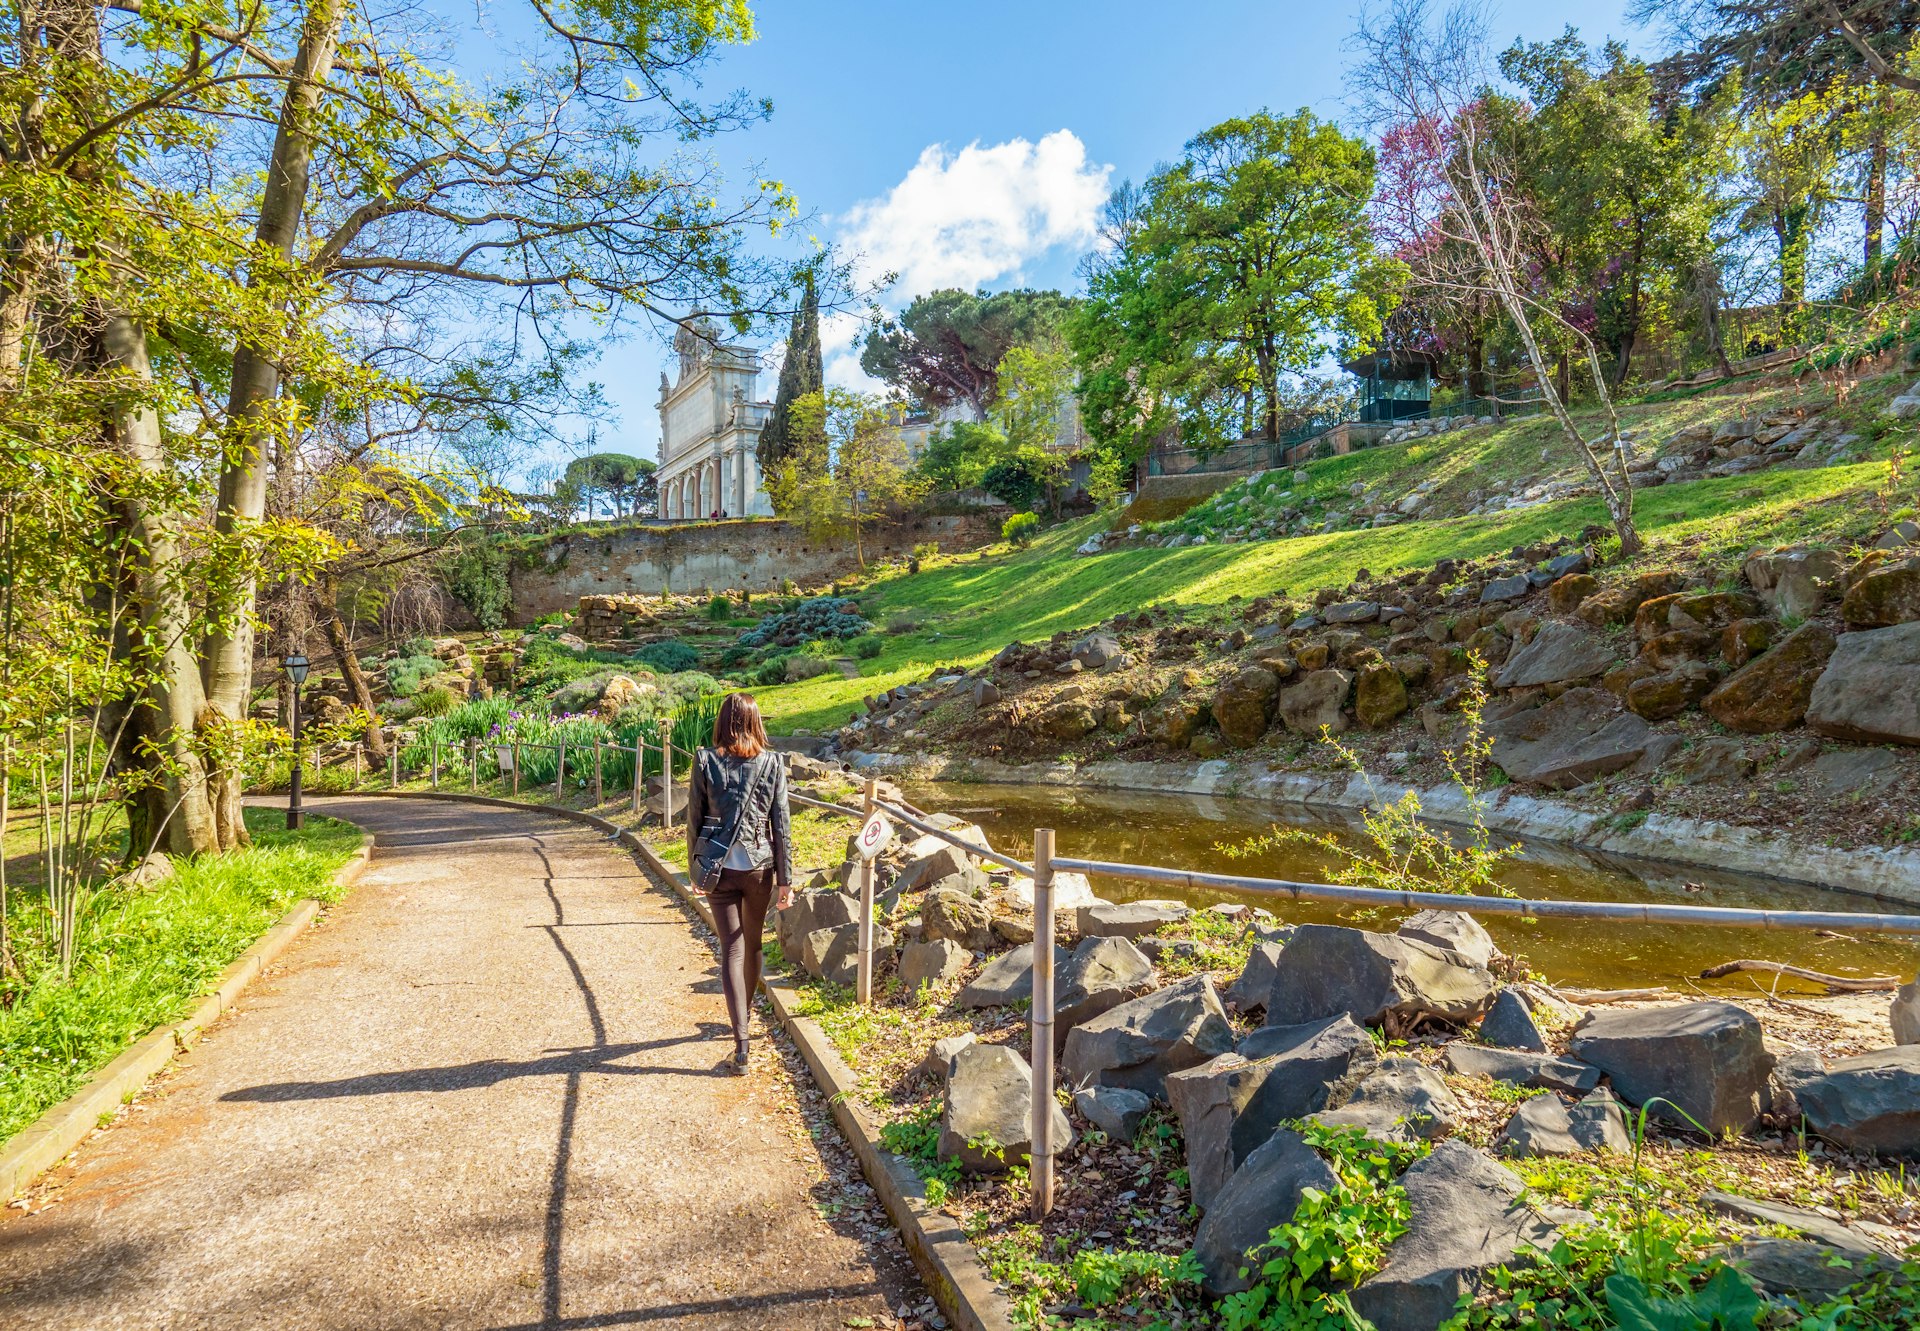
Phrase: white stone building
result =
(710, 423)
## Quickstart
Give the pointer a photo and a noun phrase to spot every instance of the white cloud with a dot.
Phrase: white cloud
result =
(960, 219)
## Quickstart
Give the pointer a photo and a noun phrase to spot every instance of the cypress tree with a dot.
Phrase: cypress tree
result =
(801, 373)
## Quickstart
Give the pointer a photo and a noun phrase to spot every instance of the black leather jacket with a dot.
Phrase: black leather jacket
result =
(719, 783)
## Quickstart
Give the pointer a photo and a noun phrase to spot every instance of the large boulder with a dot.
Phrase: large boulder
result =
(1129, 919)
(1545, 1125)
(834, 954)
(1007, 979)
(1887, 595)
(1173, 721)
(934, 962)
(1570, 741)
(1400, 1100)
(1452, 931)
(1870, 690)
(1248, 994)
(1771, 692)
(1670, 692)
(1096, 650)
(931, 860)
(1705, 1063)
(986, 1124)
(1243, 705)
(1327, 970)
(1870, 1102)
(1229, 1105)
(1379, 695)
(1805, 1268)
(1509, 1024)
(1794, 581)
(946, 913)
(1114, 1110)
(1263, 1192)
(1465, 1218)
(1102, 973)
(1316, 702)
(939, 1060)
(1520, 1068)
(810, 911)
(1068, 720)
(1139, 1043)
(1559, 654)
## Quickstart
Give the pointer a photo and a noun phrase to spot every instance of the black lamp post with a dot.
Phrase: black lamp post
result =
(296, 668)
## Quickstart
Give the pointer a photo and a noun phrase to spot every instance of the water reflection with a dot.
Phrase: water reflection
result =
(1184, 831)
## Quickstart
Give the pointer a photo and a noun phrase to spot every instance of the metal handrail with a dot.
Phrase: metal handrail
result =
(895, 811)
(1646, 913)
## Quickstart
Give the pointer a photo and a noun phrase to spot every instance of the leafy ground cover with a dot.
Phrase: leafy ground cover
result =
(143, 956)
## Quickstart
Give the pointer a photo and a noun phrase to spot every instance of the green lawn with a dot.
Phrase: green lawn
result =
(968, 607)
(144, 957)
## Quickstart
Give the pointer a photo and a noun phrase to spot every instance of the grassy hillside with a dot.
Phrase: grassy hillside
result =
(964, 609)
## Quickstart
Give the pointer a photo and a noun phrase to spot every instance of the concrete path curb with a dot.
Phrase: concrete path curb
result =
(948, 1262)
(46, 1141)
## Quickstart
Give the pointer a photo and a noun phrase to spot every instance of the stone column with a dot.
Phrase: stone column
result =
(739, 505)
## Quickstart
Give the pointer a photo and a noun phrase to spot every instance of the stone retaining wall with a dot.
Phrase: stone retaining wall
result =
(709, 557)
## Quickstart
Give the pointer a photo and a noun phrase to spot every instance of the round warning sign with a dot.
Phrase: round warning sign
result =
(874, 835)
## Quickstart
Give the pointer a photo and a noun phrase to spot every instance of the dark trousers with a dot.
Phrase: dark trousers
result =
(740, 914)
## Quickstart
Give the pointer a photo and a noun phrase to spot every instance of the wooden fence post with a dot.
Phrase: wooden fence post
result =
(598, 793)
(560, 776)
(666, 779)
(516, 769)
(863, 977)
(473, 764)
(639, 771)
(394, 753)
(436, 765)
(1040, 1162)
(359, 756)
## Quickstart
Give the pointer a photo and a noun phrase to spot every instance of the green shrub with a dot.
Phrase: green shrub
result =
(869, 647)
(771, 671)
(719, 609)
(421, 646)
(406, 674)
(435, 700)
(669, 657)
(1020, 529)
(474, 573)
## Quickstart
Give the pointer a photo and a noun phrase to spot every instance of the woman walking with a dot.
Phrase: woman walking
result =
(739, 848)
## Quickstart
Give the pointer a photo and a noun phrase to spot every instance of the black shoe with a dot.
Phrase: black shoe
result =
(739, 1060)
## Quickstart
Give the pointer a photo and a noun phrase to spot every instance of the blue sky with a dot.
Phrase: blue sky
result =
(971, 145)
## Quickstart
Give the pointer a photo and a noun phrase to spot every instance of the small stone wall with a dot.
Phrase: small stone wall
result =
(708, 557)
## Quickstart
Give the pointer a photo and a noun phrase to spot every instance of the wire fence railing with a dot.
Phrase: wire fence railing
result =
(1047, 864)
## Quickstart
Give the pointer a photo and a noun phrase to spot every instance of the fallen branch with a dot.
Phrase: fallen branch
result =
(1596, 997)
(1835, 984)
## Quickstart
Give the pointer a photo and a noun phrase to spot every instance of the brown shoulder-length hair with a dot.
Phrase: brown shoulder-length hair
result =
(738, 729)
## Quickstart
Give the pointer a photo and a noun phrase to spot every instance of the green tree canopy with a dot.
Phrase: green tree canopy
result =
(801, 372)
(945, 350)
(1249, 260)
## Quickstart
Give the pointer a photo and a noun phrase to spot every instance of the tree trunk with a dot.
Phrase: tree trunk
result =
(1477, 368)
(252, 402)
(342, 644)
(1622, 358)
(1876, 208)
(170, 810)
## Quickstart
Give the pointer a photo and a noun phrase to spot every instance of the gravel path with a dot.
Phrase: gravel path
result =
(484, 1092)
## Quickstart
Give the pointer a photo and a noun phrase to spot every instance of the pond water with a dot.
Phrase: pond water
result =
(1184, 831)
